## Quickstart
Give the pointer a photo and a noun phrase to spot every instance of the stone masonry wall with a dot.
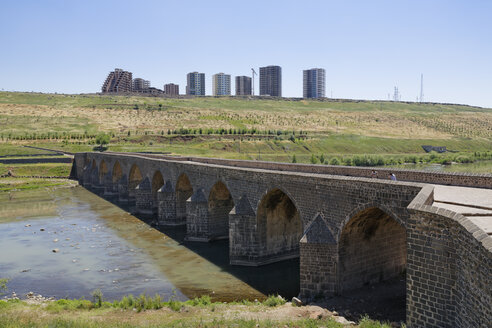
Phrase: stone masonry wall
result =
(451, 178)
(448, 270)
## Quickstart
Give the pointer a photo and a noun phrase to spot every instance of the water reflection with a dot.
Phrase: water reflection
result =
(102, 246)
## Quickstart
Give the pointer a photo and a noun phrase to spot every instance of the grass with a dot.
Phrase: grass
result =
(12, 184)
(200, 312)
(43, 169)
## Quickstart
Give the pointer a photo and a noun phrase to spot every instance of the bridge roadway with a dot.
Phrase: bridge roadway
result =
(348, 230)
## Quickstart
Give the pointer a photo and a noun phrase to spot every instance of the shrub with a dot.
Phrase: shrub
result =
(273, 300)
(334, 161)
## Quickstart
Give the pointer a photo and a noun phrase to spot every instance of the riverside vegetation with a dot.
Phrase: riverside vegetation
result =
(145, 311)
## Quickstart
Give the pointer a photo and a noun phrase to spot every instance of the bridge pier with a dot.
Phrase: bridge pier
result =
(86, 177)
(318, 261)
(143, 198)
(243, 235)
(108, 186)
(166, 207)
(96, 184)
(123, 190)
(197, 228)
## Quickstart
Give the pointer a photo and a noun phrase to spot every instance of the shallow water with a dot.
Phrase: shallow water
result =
(102, 246)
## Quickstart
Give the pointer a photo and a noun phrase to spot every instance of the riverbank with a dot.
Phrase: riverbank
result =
(274, 312)
(9, 184)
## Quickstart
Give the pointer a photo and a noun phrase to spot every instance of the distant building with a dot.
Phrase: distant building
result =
(171, 89)
(243, 86)
(221, 84)
(271, 81)
(118, 81)
(140, 84)
(195, 84)
(313, 83)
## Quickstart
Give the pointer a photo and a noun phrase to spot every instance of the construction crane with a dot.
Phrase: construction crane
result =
(253, 73)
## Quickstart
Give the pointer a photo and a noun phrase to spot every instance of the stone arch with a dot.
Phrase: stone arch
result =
(279, 224)
(363, 207)
(103, 170)
(220, 203)
(157, 183)
(117, 172)
(371, 249)
(94, 164)
(134, 179)
(184, 190)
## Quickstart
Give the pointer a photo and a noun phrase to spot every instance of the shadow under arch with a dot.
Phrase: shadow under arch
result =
(134, 179)
(372, 257)
(117, 172)
(184, 190)
(103, 170)
(220, 203)
(157, 183)
(279, 225)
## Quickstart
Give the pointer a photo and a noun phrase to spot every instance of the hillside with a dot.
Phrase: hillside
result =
(251, 128)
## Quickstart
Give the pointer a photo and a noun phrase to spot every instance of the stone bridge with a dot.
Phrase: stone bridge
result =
(348, 230)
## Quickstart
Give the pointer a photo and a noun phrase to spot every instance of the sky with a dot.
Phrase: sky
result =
(366, 47)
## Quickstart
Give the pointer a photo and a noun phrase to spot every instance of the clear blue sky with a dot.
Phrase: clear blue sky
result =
(366, 47)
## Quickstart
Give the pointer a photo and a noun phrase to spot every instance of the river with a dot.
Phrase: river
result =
(101, 246)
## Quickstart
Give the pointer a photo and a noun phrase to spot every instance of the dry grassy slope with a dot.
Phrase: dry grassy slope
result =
(21, 111)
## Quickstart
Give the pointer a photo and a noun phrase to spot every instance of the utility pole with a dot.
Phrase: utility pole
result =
(421, 87)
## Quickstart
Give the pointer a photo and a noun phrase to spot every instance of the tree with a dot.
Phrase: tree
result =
(102, 139)
(294, 160)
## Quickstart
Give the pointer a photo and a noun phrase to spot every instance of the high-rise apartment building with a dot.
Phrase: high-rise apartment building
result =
(171, 89)
(140, 84)
(271, 81)
(243, 86)
(195, 84)
(118, 81)
(313, 83)
(221, 84)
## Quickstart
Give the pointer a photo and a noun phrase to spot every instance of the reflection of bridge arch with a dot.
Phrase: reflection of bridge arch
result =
(184, 190)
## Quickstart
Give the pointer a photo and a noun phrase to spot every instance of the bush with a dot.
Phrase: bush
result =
(334, 161)
(273, 300)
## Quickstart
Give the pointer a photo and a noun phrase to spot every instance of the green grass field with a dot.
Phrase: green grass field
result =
(243, 128)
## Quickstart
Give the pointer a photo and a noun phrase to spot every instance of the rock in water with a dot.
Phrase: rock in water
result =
(56, 250)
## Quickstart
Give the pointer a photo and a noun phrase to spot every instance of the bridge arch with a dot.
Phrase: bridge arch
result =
(371, 249)
(279, 223)
(134, 179)
(117, 172)
(94, 164)
(103, 170)
(157, 183)
(220, 204)
(184, 190)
